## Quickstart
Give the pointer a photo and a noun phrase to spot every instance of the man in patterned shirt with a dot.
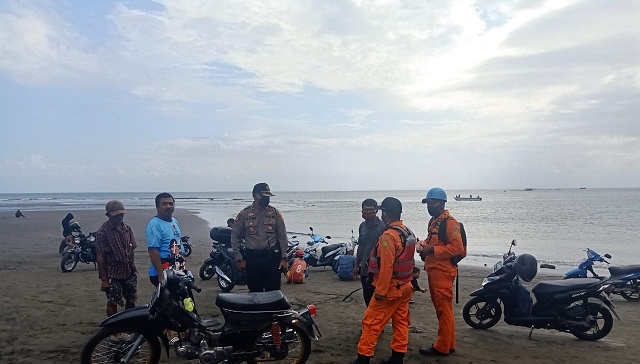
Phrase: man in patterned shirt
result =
(114, 247)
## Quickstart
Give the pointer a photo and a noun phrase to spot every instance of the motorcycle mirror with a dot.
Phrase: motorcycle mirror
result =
(514, 242)
(295, 236)
(608, 256)
(310, 228)
(327, 237)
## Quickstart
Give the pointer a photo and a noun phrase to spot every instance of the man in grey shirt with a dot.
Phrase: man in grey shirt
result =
(368, 233)
(261, 229)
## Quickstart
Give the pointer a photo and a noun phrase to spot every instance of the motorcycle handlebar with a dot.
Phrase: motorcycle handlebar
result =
(192, 286)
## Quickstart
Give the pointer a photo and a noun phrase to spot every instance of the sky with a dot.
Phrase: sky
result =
(133, 96)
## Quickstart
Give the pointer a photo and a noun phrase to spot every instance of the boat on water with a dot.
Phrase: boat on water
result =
(470, 198)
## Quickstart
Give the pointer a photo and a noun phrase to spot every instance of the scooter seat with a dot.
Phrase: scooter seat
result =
(624, 269)
(253, 301)
(565, 285)
(328, 248)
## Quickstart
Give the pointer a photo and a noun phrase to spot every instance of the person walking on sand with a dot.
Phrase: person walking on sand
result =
(261, 228)
(391, 266)
(368, 233)
(440, 271)
(117, 271)
(160, 231)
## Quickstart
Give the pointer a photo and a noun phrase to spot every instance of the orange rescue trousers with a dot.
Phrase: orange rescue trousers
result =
(379, 313)
(441, 290)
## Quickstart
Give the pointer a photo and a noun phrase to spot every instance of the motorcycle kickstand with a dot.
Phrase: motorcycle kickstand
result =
(530, 332)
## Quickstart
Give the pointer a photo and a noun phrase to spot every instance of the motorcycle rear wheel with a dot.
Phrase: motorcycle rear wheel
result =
(68, 262)
(110, 345)
(228, 271)
(187, 249)
(600, 314)
(631, 291)
(295, 347)
(482, 312)
(207, 270)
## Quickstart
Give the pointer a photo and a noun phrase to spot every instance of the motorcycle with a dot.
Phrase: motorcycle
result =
(625, 279)
(83, 251)
(186, 245)
(221, 261)
(259, 326)
(292, 246)
(319, 253)
(561, 305)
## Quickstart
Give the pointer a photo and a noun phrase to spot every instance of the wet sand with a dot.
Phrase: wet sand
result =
(47, 315)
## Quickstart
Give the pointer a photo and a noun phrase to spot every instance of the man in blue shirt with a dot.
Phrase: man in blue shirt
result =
(160, 231)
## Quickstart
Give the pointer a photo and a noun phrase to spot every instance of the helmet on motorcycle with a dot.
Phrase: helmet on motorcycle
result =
(299, 253)
(74, 225)
(526, 267)
(435, 193)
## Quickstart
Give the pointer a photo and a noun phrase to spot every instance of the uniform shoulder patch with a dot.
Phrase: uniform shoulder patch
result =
(279, 215)
(385, 243)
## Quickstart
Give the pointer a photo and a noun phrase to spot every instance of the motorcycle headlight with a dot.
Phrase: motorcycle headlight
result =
(92, 238)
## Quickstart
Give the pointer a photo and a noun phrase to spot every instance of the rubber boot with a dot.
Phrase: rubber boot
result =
(396, 358)
(362, 359)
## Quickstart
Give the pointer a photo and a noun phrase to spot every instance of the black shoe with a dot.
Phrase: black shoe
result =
(362, 359)
(432, 352)
(451, 351)
(395, 358)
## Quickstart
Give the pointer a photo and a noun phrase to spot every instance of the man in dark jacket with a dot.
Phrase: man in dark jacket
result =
(368, 233)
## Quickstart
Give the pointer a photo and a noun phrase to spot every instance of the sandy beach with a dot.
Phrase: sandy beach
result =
(47, 315)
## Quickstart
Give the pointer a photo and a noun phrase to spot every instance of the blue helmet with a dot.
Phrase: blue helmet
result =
(435, 193)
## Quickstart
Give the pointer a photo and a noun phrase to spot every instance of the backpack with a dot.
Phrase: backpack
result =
(297, 271)
(442, 236)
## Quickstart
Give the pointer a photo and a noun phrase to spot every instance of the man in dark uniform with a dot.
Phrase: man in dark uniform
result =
(265, 239)
(368, 233)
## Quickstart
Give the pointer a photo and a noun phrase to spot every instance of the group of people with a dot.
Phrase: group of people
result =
(384, 261)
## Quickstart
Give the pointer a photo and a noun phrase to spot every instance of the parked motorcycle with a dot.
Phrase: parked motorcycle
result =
(258, 326)
(83, 251)
(625, 279)
(221, 261)
(319, 253)
(186, 245)
(561, 305)
(292, 246)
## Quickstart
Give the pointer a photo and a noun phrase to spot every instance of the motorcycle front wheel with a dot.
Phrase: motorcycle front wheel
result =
(207, 270)
(113, 345)
(631, 291)
(227, 269)
(482, 312)
(295, 346)
(187, 249)
(68, 262)
(601, 322)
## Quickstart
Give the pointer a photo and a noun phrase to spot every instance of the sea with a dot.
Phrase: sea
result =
(555, 225)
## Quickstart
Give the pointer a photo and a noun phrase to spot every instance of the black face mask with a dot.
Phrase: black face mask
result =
(434, 211)
(264, 201)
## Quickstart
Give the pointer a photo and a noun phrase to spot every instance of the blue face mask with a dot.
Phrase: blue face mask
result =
(264, 201)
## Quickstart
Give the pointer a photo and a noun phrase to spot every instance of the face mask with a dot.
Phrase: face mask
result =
(434, 210)
(368, 215)
(264, 201)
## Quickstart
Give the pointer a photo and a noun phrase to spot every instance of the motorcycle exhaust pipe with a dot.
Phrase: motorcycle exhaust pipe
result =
(221, 274)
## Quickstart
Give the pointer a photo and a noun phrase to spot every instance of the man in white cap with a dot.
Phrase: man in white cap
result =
(114, 254)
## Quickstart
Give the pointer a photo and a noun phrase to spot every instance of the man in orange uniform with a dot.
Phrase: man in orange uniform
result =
(441, 272)
(390, 266)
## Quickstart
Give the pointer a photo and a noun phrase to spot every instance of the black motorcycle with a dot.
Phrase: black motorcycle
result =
(561, 305)
(83, 251)
(186, 245)
(258, 326)
(221, 261)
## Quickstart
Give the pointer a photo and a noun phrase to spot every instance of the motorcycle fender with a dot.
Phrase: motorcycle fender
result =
(479, 292)
(221, 274)
(135, 317)
(603, 297)
(306, 326)
(576, 273)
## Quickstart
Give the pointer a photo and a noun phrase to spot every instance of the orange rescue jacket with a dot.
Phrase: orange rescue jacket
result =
(392, 259)
(442, 252)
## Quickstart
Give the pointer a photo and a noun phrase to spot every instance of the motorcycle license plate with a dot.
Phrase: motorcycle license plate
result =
(154, 296)
(497, 266)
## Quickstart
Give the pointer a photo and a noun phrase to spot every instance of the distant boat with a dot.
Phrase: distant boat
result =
(528, 189)
(457, 198)
(583, 188)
